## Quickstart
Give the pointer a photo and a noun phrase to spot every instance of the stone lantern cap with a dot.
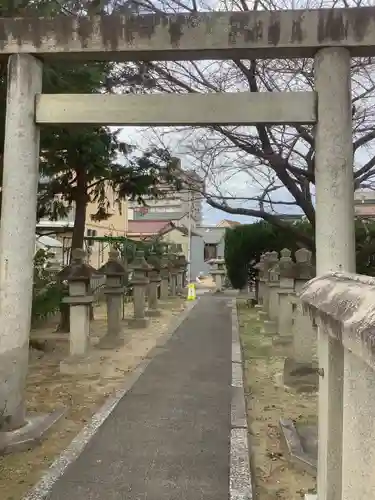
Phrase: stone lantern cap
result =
(154, 261)
(267, 263)
(113, 267)
(219, 269)
(164, 262)
(164, 266)
(305, 270)
(140, 269)
(173, 263)
(287, 267)
(181, 261)
(260, 266)
(139, 262)
(272, 267)
(77, 270)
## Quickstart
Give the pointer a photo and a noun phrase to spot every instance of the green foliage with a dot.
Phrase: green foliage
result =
(245, 244)
(47, 292)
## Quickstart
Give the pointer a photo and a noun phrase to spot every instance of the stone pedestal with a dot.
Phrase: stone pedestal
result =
(286, 294)
(274, 287)
(154, 276)
(272, 276)
(114, 292)
(179, 283)
(164, 288)
(218, 278)
(173, 271)
(181, 263)
(285, 319)
(267, 264)
(78, 275)
(140, 282)
(173, 283)
(260, 278)
(164, 275)
(218, 274)
(300, 371)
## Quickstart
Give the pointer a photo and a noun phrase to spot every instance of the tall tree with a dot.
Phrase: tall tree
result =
(259, 171)
(80, 164)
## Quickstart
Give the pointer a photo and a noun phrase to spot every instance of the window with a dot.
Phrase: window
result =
(210, 251)
(91, 233)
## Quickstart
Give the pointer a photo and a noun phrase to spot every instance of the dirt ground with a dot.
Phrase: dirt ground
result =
(267, 402)
(48, 389)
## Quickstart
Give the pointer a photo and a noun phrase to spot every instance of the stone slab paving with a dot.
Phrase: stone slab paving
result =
(168, 438)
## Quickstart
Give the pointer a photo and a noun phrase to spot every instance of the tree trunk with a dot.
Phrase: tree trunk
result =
(80, 198)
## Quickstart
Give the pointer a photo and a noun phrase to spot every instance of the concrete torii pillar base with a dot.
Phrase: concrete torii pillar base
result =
(29, 435)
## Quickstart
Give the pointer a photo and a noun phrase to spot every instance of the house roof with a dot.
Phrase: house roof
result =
(365, 210)
(45, 241)
(230, 223)
(184, 230)
(159, 216)
(211, 234)
(147, 227)
(52, 224)
(156, 227)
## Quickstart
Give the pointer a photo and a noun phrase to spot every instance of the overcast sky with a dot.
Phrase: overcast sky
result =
(238, 185)
(139, 137)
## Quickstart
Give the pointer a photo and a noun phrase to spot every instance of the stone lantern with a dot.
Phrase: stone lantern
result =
(181, 263)
(273, 285)
(173, 271)
(218, 273)
(114, 291)
(78, 275)
(300, 369)
(140, 282)
(260, 280)
(154, 276)
(164, 274)
(286, 295)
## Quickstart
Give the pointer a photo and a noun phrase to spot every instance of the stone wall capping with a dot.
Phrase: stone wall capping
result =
(345, 304)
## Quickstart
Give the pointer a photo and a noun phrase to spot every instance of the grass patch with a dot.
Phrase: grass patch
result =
(267, 402)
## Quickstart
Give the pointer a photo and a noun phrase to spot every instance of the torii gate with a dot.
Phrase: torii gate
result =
(330, 36)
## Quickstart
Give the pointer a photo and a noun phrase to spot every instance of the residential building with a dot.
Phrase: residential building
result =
(98, 250)
(165, 231)
(172, 202)
(209, 245)
(364, 203)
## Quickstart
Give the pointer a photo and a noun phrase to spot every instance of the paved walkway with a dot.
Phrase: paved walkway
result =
(168, 438)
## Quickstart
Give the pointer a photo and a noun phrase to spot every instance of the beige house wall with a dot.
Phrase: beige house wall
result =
(175, 236)
(115, 225)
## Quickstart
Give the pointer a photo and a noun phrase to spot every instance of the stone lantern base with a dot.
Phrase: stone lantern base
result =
(153, 313)
(78, 365)
(110, 342)
(138, 322)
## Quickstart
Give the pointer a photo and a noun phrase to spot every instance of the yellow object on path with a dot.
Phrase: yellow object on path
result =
(191, 292)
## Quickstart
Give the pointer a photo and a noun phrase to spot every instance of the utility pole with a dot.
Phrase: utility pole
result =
(190, 195)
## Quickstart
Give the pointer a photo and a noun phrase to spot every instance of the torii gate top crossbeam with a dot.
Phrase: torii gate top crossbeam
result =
(218, 35)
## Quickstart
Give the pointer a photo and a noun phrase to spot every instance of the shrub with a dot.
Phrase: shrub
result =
(47, 291)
